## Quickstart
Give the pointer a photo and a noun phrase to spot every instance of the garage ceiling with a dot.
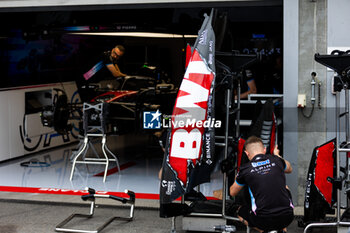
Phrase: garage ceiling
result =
(7, 5)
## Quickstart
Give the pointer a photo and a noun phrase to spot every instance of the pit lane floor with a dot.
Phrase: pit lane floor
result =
(36, 199)
(23, 216)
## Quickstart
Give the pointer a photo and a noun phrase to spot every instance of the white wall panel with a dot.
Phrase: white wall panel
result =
(4, 126)
(16, 113)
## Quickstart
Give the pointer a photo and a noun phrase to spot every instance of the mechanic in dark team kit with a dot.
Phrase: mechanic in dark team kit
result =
(248, 85)
(264, 175)
(108, 61)
(113, 56)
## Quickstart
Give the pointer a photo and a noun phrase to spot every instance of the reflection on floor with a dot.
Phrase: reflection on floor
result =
(139, 172)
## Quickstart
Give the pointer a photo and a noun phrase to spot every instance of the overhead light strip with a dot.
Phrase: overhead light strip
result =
(134, 34)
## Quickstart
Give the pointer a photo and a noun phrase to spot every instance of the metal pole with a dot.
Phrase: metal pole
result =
(347, 114)
(173, 225)
(347, 128)
(106, 157)
(227, 121)
(227, 116)
(337, 130)
(238, 113)
(76, 157)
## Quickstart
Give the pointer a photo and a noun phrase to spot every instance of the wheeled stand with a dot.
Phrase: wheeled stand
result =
(94, 120)
(92, 197)
(339, 62)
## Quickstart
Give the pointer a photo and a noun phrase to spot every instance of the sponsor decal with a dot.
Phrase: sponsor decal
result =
(257, 164)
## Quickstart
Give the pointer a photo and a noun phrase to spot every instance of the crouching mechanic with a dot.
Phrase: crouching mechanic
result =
(271, 201)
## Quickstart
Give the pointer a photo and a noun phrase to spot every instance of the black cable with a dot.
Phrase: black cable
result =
(308, 116)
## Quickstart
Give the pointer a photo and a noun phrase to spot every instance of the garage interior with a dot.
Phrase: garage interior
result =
(46, 46)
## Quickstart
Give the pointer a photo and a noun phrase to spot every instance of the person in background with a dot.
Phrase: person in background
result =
(277, 75)
(112, 58)
(107, 65)
(248, 85)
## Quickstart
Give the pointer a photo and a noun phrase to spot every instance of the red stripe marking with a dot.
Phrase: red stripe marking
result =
(115, 169)
(57, 191)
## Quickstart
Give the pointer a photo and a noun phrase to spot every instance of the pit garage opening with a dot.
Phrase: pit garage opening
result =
(47, 51)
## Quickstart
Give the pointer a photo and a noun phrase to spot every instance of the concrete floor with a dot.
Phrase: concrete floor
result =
(42, 217)
(35, 216)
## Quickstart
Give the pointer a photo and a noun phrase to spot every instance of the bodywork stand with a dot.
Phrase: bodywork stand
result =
(339, 62)
(92, 197)
(102, 161)
(232, 65)
(94, 121)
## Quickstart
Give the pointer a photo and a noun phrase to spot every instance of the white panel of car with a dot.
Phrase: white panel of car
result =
(23, 133)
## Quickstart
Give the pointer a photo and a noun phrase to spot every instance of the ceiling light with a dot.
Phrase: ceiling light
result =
(135, 34)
